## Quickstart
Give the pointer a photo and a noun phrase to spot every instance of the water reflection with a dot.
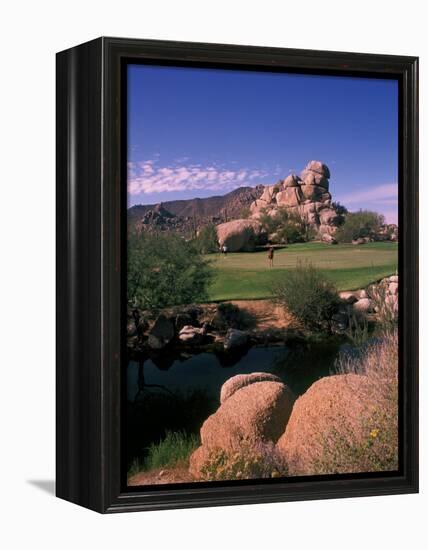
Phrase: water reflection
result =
(298, 366)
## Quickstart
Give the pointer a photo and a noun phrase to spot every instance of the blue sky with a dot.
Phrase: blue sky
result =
(202, 132)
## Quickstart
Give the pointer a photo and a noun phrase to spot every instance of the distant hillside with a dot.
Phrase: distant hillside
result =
(218, 208)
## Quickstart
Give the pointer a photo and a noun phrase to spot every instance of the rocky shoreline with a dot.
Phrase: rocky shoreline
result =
(226, 328)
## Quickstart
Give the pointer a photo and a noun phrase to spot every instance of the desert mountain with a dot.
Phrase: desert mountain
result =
(182, 214)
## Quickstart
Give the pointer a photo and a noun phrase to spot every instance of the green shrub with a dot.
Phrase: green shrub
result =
(229, 315)
(359, 224)
(308, 295)
(176, 447)
(287, 226)
(341, 211)
(165, 270)
(206, 241)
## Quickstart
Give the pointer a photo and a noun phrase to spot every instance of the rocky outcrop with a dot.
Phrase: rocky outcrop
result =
(375, 298)
(306, 195)
(256, 412)
(241, 235)
(332, 405)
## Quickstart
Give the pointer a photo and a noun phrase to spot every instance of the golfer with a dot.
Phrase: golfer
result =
(270, 256)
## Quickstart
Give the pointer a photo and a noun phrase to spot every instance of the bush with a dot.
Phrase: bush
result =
(358, 225)
(287, 226)
(249, 460)
(384, 305)
(229, 315)
(206, 241)
(341, 211)
(308, 295)
(165, 270)
(176, 447)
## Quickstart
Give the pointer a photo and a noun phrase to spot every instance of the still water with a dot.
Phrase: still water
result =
(298, 367)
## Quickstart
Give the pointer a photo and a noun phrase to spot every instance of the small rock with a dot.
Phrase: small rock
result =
(364, 305)
(235, 339)
(191, 335)
(328, 238)
(161, 333)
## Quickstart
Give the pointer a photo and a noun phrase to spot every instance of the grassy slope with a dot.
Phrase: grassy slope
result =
(247, 275)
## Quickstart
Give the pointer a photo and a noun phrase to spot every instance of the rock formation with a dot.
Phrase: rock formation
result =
(307, 196)
(255, 412)
(241, 235)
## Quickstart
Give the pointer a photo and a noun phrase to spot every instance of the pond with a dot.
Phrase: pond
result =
(180, 392)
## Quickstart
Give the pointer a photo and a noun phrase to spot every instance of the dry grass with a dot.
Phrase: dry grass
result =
(248, 460)
(372, 444)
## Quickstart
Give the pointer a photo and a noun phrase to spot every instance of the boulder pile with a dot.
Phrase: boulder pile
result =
(306, 195)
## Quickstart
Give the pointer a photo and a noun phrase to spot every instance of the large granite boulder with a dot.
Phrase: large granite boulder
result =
(241, 380)
(257, 412)
(290, 196)
(333, 406)
(241, 235)
(318, 167)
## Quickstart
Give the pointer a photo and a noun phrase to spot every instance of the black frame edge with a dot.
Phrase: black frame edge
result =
(79, 477)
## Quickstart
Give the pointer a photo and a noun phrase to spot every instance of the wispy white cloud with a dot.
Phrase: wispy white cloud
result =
(382, 198)
(148, 177)
(380, 194)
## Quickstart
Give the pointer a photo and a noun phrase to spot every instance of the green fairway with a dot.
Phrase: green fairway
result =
(248, 276)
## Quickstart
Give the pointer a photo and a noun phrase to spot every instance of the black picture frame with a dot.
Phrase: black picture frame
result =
(90, 210)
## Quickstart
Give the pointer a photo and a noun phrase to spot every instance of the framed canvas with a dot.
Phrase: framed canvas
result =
(237, 275)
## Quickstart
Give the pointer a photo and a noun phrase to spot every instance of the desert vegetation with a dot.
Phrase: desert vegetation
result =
(165, 270)
(310, 296)
(357, 225)
(369, 442)
(246, 460)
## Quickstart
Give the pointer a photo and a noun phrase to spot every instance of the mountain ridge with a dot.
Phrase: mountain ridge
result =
(223, 207)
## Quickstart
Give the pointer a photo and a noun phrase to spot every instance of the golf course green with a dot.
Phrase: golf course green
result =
(247, 275)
